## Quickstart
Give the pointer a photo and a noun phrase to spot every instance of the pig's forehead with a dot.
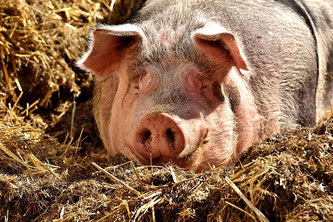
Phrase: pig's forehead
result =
(166, 35)
(167, 44)
(168, 54)
(173, 64)
(161, 62)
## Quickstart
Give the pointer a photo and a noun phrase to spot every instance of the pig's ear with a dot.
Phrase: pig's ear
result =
(213, 39)
(108, 45)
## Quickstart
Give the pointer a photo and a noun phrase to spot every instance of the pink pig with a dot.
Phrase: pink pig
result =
(197, 83)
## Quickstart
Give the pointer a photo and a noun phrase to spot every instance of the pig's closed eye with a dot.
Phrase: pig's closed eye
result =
(136, 85)
(211, 91)
(135, 89)
(142, 83)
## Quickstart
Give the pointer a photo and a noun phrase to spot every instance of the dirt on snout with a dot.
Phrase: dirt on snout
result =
(53, 166)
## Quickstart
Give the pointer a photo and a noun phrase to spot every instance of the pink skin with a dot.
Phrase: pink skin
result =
(202, 130)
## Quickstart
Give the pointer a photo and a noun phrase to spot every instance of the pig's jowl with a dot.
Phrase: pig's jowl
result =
(197, 82)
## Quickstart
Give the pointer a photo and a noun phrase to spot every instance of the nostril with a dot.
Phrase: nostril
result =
(145, 136)
(170, 136)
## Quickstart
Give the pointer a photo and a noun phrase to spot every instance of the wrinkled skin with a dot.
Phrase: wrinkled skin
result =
(198, 82)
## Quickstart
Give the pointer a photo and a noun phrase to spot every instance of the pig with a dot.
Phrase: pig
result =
(198, 82)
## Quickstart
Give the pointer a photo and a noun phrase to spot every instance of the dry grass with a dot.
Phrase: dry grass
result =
(286, 178)
(62, 177)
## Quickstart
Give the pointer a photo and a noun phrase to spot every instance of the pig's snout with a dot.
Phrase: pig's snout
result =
(159, 135)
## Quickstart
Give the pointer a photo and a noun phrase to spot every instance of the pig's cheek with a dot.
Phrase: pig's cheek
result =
(247, 117)
(115, 128)
(222, 135)
(128, 108)
(221, 139)
(103, 103)
(119, 118)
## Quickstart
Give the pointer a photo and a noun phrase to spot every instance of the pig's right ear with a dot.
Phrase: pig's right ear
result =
(108, 45)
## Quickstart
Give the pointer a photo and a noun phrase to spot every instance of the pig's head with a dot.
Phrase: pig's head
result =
(163, 97)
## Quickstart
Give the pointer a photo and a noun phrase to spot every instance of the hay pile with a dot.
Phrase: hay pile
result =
(289, 177)
(65, 175)
(39, 45)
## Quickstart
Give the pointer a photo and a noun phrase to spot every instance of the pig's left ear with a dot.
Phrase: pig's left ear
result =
(206, 39)
(108, 46)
